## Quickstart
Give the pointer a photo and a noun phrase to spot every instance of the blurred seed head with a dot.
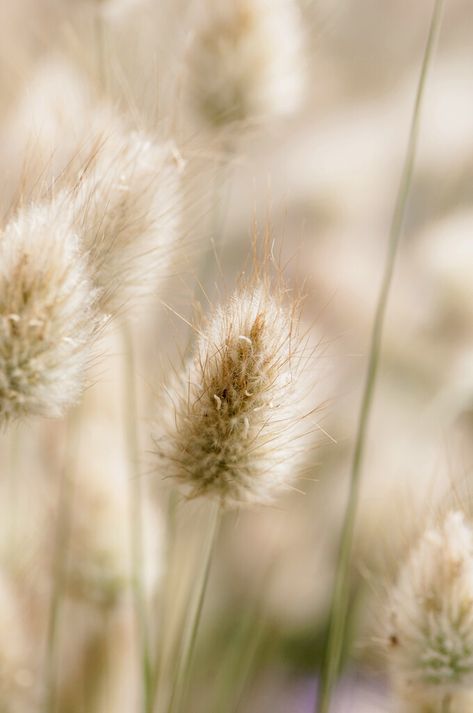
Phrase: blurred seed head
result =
(430, 639)
(48, 319)
(233, 422)
(99, 552)
(245, 62)
(126, 208)
(55, 119)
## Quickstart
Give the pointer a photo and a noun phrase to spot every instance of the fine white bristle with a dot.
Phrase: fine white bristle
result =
(47, 313)
(430, 639)
(234, 417)
(126, 209)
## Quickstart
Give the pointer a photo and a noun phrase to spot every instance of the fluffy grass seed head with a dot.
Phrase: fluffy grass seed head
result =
(126, 209)
(234, 419)
(245, 62)
(430, 640)
(47, 313)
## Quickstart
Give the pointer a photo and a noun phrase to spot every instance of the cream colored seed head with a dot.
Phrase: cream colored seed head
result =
(245, 63)
(430, 639)
(126, 209)
(47, 314)
(234, 419)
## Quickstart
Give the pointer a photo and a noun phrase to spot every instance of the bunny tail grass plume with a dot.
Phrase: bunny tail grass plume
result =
(47, 314)
(126, 207)
(235, 421)
(246, 60)
(430, 639)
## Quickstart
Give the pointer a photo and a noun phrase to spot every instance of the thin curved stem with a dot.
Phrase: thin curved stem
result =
(340, 600)
(191, 629)
(61, 545)
(163, 602)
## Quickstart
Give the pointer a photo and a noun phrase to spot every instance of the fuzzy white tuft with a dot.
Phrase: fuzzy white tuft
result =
(246, 60)
(47, 314)
(431, 617)
(126, 209)
(235, 420)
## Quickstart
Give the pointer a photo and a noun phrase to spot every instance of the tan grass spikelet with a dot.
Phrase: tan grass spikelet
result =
(430, 636)
(246, 60)
(48, 319)
(234, 420)
(126, 208)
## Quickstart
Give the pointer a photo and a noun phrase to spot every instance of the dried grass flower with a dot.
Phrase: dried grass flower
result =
(245, 62)
(48, 319)
(233, 423)
(126, 207)
(430, 639)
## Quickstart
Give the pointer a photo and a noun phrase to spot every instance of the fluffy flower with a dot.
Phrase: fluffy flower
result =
(234, 422)
(51, 128)
(246, 60)
(126, 209)
(430, 638)
(47, 314)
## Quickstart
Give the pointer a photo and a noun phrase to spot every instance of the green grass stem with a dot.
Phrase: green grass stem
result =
(194, 615)
(341, 594)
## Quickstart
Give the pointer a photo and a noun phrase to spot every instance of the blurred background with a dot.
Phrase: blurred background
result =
(323, 179)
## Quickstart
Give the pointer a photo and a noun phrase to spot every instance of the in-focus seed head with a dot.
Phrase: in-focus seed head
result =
(234, 419)
(127, 211)
(47, 315)
(245, 63)
(430, 639)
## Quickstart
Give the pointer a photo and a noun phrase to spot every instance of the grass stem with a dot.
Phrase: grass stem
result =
(340, 600)
(61, 542)
(164, 599)
(191, 628)
(136, 517)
